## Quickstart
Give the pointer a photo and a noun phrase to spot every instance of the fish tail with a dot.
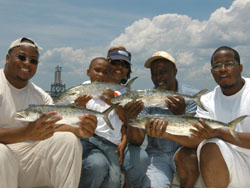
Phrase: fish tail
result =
(197, 98)
(232, 126)
(131, 81)
(106, 113)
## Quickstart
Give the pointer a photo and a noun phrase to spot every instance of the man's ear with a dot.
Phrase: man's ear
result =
(7, 59)
(176, 71)
(241, 67)
(88, 72)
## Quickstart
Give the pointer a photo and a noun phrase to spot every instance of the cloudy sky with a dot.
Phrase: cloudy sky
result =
(75, 31)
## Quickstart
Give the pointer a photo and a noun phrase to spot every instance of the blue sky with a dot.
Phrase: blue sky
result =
(75, 31)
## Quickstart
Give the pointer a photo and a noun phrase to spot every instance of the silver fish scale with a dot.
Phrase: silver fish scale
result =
(61, 110)
(177, 125)
(155, 97)
(94, 89)
(69, 113)
(148, 97)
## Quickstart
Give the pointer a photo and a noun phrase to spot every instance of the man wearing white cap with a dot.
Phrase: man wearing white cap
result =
(32, 154)
(162, 152)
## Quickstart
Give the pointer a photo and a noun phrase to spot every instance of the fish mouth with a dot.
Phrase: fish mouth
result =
(19, 116)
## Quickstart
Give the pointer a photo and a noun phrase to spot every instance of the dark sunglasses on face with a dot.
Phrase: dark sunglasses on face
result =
(24, 58)
(120, 63)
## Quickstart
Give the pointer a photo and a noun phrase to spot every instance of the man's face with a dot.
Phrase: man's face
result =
(99, 71)
(163, 74)
(226, 70)
(120, 70)
(21, 65)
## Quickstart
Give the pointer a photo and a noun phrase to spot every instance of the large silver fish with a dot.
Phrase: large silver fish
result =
(155, 97)
(181, 124)
(94, 89)
(69, 113)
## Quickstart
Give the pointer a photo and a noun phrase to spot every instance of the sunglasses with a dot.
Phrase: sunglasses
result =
(120, 63)
(24, 58)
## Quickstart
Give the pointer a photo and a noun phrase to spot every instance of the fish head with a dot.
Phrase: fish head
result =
(27, 115)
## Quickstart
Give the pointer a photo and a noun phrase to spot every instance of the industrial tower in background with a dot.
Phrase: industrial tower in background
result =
(57, 88)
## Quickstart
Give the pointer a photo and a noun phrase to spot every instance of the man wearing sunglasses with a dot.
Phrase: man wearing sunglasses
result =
(32, 154)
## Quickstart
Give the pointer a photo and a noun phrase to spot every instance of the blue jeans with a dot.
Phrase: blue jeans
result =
(160, 171)
(100, 167)
(135, 165)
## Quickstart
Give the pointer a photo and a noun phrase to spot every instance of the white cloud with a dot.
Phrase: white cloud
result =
(189, 40)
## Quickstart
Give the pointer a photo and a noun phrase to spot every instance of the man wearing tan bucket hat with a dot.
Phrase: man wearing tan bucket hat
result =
(164, 154)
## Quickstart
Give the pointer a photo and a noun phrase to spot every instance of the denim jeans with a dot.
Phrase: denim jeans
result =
(100, 167)
(135, 165)
(160, 171)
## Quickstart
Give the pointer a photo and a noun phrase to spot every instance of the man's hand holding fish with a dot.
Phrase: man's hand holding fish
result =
(176, 104)
(87, 126)
(42, 128)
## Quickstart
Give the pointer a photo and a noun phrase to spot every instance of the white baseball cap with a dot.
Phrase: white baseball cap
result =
(159, 55)
(26, 42)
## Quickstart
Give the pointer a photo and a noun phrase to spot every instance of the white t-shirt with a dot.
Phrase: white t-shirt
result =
(13, 100)
(227, 108)
(103, 129)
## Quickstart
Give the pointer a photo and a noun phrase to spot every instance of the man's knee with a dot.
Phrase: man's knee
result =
(135, 156)
(67, 139)
(186, 157)
(6, 154)
(210, 154)
(209, 151)
(186, 162)
(8, 162)
(95, 165)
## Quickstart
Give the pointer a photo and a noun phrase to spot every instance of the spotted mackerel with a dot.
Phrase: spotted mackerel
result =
(94, 89)
(155, 97)
(181, 124)
(69, 113)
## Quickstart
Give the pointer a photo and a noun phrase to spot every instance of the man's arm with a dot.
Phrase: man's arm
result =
(121, 147)
(132, 110)
(135, 136)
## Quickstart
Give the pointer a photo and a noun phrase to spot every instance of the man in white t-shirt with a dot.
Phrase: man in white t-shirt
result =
(32, 154)
(223, 161)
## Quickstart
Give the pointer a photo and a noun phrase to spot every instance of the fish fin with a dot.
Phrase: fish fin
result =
(197, 98)
(232, 126)
(131, 81)
(106, 113)
(233, 133)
